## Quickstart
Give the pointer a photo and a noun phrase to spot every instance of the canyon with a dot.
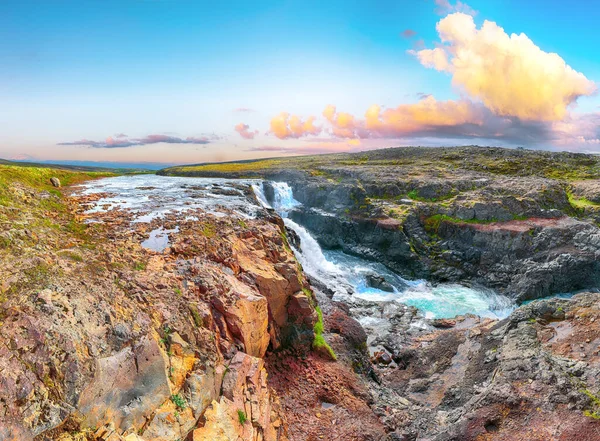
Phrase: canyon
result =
(381, 296)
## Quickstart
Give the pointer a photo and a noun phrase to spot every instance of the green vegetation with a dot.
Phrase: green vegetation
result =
(139, 266)
(581, 203)
(39, 178)
(414, 195)
(198, 321)
(179, 401)
(208, 230)
(242, 418)
(433, 223)
(498, 161)
(227, 167)
(73, 256)
(595, 401)
(319, 342)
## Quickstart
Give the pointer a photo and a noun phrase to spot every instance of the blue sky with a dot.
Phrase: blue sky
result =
(85, 70)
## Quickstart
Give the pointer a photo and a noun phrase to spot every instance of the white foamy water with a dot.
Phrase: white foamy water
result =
(340, 271)
(153, 196)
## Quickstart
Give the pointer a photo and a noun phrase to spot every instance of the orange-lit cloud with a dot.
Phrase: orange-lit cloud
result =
(286, 126)
(344, 125)
(510, 74)
(245, 132)
(427, 115)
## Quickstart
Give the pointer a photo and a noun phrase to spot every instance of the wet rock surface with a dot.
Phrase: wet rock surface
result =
(210, 338)
(103, 339)
(524, 223)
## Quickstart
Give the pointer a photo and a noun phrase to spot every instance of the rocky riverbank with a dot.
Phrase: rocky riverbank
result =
(524, 223)
(218, 334)
(103, 339)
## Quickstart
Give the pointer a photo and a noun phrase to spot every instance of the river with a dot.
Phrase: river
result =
(152, 197)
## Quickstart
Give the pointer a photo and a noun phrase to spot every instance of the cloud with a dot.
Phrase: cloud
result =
(455, 119)
(111, 143)
(244, 110)
(243, 130)
(444, 7)
(510, 74)
(426, 115)
(285, 126)
(408, 33)
(579, 132)
(121, 135)
(344, 125)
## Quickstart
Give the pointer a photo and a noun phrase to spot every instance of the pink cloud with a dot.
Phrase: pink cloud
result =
(408, 33)
(110, 142)
(244, 131)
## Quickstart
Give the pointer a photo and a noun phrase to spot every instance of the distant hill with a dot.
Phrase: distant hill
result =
(79, 166)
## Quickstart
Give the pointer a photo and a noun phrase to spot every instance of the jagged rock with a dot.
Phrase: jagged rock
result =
(247, 317)
(202, 388)
(245, 409)
(443, 323)
(379, 282)
(127, 387)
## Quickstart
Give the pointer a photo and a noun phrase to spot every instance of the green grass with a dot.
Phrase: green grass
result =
(227, 167)
(242, 418)
(198, 321)
(433, 223)
(39, 178)
(595, 399)
(580, 203)
(319, 342)
(498, 161)
(179, 401)
(208, 230)
(414, 195)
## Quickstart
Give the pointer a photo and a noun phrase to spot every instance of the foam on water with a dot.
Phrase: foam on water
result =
(338, 270)
(153, 196)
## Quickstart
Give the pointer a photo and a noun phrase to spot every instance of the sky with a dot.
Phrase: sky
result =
(182, 81)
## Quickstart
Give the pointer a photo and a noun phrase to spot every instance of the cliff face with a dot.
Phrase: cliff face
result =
(213, 337)
(524, 223)
(102, 339)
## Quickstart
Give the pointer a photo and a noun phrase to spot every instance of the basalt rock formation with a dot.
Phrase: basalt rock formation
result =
(524, 223)
(214, 337)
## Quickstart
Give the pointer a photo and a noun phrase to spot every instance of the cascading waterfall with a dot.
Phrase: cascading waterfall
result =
(340, 271)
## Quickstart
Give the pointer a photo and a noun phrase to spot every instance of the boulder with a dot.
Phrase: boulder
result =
(244, 411)
(379, 282)
(55, 182)
(127, 387)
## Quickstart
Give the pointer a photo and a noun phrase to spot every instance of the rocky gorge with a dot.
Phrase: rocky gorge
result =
(161, 308)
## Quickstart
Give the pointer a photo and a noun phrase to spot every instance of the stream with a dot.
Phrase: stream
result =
(348, 275)
(152, 197)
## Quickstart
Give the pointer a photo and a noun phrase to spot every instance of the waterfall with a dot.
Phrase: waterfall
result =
(311, 255)
(259, 191)
(345, 274)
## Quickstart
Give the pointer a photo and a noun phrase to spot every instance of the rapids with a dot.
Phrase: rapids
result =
(345, 274)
